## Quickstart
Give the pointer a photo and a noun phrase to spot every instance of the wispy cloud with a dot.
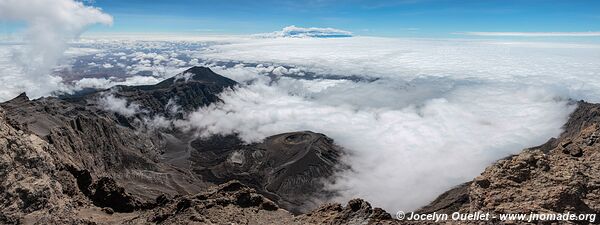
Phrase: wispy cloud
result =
(533, 34)
(303, 32)
(50, 26)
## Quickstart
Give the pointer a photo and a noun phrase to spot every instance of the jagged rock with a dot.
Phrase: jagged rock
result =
(232, 202)
(28, 178)
(452, 200)
(357, 211)
(108, 210)
(105, 192)
(235, 203)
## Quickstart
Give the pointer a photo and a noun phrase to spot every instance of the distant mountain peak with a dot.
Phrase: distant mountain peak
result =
(195, 87)
(199, 74)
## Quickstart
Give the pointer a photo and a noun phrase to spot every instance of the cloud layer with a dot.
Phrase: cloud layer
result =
(437, 114)
(572, 67)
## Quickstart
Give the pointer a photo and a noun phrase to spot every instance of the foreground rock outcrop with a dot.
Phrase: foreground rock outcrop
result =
(234, 203)
(29, 178)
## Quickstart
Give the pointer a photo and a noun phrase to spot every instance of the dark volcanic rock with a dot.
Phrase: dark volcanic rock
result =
(450, 201)
(90, 143)
(357, 211)
(290, 167)
(235, 203)
(28, 177)
(105, 192)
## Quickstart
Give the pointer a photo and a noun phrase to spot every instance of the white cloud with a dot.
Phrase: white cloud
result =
(571, 66)
(118, 105)
(50, 25)
(535, 34)
(280, 71)
(139, 80)
(302, 32)
(105, 83)
(98, 83)
(183, 76)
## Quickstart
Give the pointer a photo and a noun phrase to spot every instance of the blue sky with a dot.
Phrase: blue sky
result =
(413, 18)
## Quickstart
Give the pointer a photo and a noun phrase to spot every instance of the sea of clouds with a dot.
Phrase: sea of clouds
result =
(417, 116)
